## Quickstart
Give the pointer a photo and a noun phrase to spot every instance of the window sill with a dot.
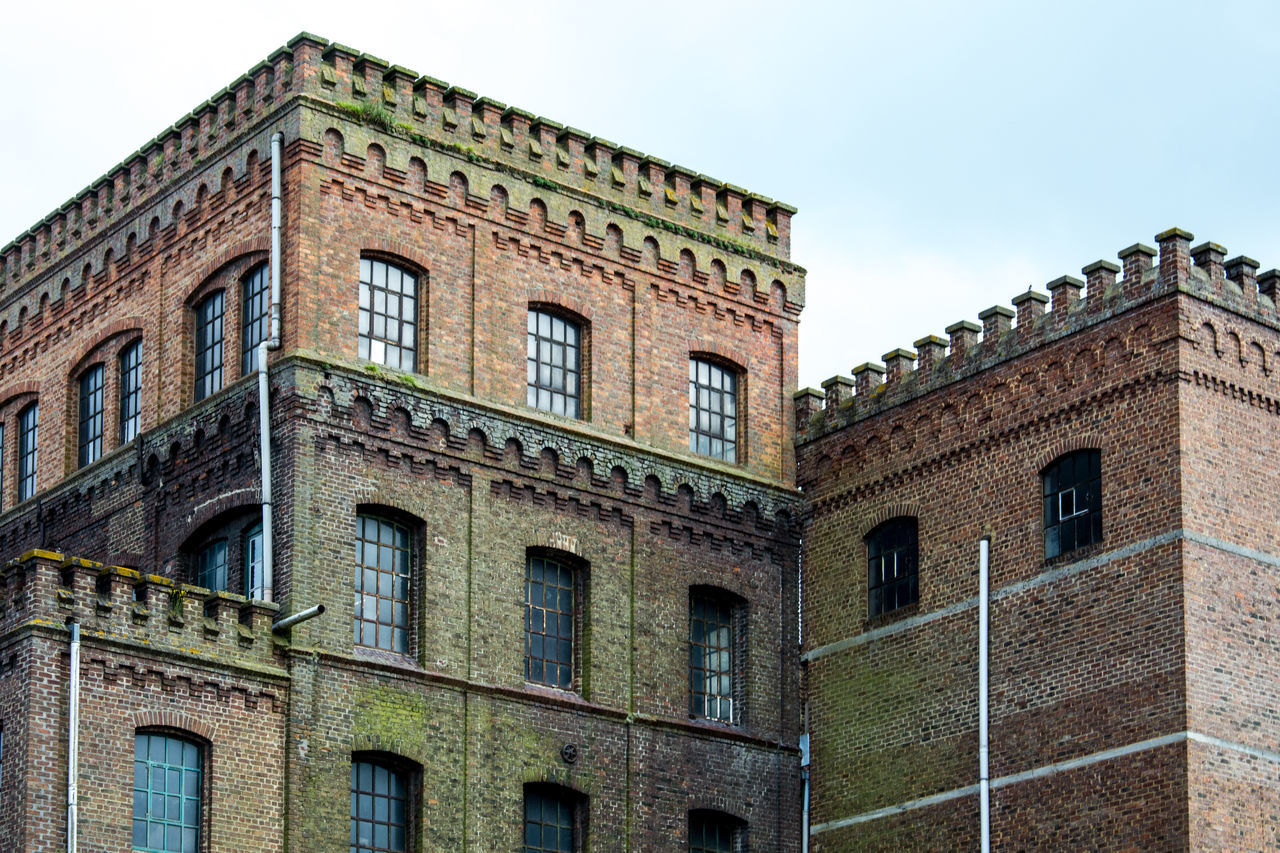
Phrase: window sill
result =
(883, 619)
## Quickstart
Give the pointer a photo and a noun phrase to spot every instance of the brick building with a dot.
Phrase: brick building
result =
(1118, 448)
(531, 447)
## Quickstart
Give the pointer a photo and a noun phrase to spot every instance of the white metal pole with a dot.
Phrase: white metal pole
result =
(984, 627)
(73, 739)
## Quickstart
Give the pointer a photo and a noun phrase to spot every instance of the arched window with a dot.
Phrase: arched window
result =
(168, 790)
(208, 319)
(713, 409)
(388, 314)
(554, 589)
(892, 576)
(554, 819)
(225, 554)
(716, 634)
(380, 806)
(130, 390)
(254, 320)
(382, 571)
(28, 435)
(1072, 490)
(715, 832)
(89, 443)
(554, 363)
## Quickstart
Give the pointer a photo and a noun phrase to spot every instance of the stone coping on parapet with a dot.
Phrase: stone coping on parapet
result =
(397, 100)
(1201, 271)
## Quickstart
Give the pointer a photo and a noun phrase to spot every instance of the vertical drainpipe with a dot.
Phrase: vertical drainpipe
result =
(804, 774)
(984, 628)
(73, 739)
(264, 397)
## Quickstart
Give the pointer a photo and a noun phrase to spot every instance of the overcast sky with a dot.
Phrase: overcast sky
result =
(944, 156)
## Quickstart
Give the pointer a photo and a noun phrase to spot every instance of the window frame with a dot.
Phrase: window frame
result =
(399, 581)
(730, 615)
(255, 315)
(723, 822)
(1054, 491)
(368, 315)
(28, 461)
(129, 414)
(200, 750)
(704, 435)
(91, 429)
(210, 343)
(899, 538)
(575, 803)
(578, 570)
(396, 769)
(540, 337)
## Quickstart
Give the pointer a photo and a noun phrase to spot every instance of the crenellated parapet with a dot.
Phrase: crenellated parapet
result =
(114, 603)
(1037, 319)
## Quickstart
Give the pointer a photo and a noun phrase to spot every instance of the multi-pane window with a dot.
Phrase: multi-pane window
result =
(209, 315)
(381, 617)
(712, 832)
(892, 575)
(548, 622)
(211, 566)
(254, 294)
(255, 580)
(711, 657)
(379, 809)
(91, 408)
(713, 410)
(388, 314)
(548, 820)
(167, 790)
(130, 390)
(1072, 502)
(554, 364)
(28, 426)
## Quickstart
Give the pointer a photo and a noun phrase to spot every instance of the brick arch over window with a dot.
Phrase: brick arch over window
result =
(888, 512)
(555, 300)
(1060, 448)
(718, 350)
(174, 720)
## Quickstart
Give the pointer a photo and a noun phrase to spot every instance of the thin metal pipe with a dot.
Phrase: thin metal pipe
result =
(301, 616)
(984, 628)
(804, 774)
(73, 741)
(264, 392)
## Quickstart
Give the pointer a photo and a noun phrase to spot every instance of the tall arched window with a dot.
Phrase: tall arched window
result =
(130, 390)
(208, 318)
(89, 442)
(555, 819)
(892, 574)
(554, 589)
(713, 409)
(28, 435)
(380, 806)
(1072, 490)
(254, 321)
(388, 314)
(382, 571)
(167, 792)
(716, 636)
(554, 363)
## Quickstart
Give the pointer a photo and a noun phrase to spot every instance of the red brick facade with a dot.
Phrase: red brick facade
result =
(494, 211)
(1130, 682)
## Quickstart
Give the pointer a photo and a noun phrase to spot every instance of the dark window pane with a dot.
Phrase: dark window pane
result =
(166, 794)
(28, 435)
(892, 566)
(379, 819)
(548, 822)
(713, 429)
(130, 390)
(254, 317)
(549, 622)
(91, 409)
(1072, 502)
(711, 658)
(382, 574)
(209, 346)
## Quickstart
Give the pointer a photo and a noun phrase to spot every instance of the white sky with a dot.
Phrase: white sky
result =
(944, 156)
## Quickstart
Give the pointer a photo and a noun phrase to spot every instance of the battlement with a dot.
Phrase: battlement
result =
(397, 101)
(44, 588)
(1072, 304)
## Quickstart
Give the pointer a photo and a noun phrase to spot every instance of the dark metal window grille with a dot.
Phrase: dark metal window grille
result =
(710, 834)
(254, 322)
(554, 374)
(166, 794)
(1072, 502)
(209, 314)
(255, 581)
(28, 427)
(713, 410)
(388, 314)
(548, 823)
(548, 622)
(892, 576)
(381, 584)
(711, 659)
(91, 415)
(379, 809)
(211, 566)
(130, 390)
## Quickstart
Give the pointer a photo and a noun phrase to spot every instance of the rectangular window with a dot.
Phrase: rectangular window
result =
(548, 622)
(713, 410)
(209, 346)
(211, 566)
(167, 790)
(255, 581)
(381, 610)
(388, 314)
(892, 560)
(1072, 489)
(711, 658)
(130, 391)
(91, 415)
(712, 832)
(379, 809)
(553, 357)
(28, 426)
(548, 822)
(254, 319)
